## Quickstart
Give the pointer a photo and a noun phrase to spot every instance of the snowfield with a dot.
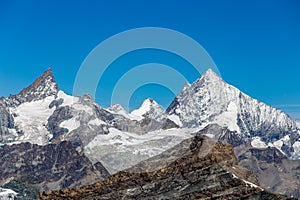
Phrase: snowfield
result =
(119, 150)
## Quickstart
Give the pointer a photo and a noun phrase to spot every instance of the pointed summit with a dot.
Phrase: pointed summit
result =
(210, 75)
(149, 108)
(41, 88)
(211, 100)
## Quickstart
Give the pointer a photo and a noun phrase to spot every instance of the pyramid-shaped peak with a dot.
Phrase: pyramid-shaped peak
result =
(41, 88)
(47, 76)
(210, 74)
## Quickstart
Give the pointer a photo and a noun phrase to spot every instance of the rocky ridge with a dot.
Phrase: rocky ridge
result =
(199, 173)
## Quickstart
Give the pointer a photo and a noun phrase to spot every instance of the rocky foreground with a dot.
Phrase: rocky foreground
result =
(197, 168)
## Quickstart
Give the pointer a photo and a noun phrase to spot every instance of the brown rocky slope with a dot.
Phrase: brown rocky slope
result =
(203, 169)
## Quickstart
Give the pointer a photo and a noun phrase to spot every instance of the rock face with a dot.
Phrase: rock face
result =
(273, 170)
(6, 121)
(51, 166)
(199, 173)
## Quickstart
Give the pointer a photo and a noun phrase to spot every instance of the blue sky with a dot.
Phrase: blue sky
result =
(255, 44)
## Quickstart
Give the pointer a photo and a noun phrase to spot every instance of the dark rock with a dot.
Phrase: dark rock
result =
(56, 103)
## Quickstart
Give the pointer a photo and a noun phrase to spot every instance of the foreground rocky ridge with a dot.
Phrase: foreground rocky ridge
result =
(199, 173)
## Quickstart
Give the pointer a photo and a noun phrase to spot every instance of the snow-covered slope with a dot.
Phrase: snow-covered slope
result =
(7, 194)
(31, 119)
(211, 100)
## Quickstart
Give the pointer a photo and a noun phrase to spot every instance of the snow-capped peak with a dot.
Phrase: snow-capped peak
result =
(149, 107)
(211, 100)
(41, 88)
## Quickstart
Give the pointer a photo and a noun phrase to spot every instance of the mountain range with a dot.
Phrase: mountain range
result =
(45, 124)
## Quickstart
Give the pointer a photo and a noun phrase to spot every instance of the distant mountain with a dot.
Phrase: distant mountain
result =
(211, 100)
(42, 114)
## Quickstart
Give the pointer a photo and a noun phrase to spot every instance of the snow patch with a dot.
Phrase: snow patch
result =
(257, 143)
(7, 194)
(210, 135)
(252, 184)
(68, 100)
(175, 119)
(96, 122)
(70, 124)
(234, 176)
(229, 118)
(278, 144)
(296, 147)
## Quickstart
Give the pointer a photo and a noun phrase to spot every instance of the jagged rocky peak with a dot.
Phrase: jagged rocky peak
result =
(41, 88)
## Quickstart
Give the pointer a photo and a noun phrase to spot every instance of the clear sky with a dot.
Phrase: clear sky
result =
(255, 44)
